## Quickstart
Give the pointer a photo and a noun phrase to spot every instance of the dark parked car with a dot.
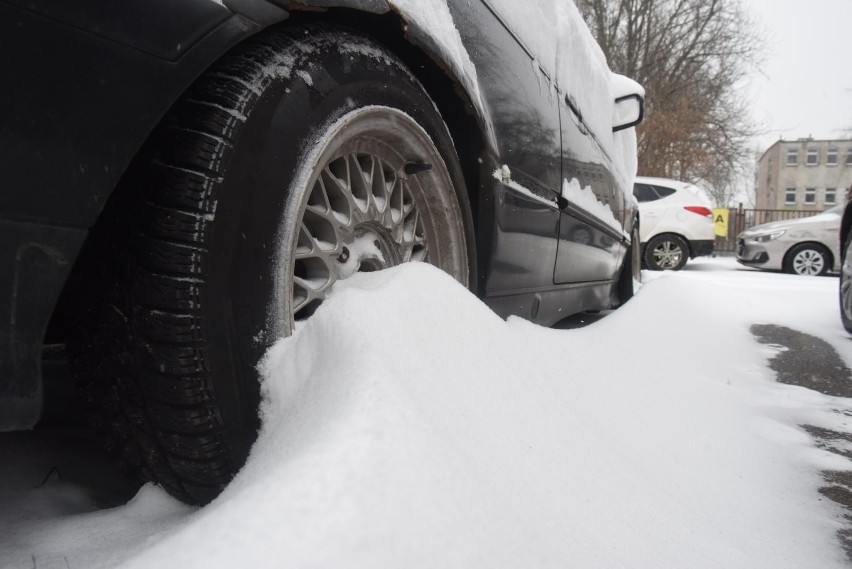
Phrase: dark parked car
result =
(184, 180)
(846, 263)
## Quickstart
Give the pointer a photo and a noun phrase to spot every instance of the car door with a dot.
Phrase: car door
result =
(510, 44)
(591, 235)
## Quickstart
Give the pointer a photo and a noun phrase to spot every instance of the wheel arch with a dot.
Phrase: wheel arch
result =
(664, 233)
(454, 94)
(466, 119)
(466, 122)
(220, 359)
(456, 99)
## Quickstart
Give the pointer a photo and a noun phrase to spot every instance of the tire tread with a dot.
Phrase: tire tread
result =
(147, 383)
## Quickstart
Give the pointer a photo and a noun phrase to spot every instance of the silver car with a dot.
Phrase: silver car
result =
(804, 246)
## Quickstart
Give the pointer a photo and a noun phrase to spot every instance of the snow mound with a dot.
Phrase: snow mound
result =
(407, 425)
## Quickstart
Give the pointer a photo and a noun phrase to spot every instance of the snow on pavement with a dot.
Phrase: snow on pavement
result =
(407, 425)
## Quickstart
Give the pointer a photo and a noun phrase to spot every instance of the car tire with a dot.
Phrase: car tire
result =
(846, 285)
(810, 259)
(305, 155)
(630, 272)
(666, 252)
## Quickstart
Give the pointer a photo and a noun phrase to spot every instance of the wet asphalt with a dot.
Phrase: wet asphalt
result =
(810, 362)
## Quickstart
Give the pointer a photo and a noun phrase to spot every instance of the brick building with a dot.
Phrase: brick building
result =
(804, 174)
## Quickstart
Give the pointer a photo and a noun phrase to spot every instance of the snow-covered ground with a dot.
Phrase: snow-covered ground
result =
(405, 425)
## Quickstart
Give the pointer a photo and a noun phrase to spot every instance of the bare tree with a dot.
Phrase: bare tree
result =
(692, 57)
(736, 185)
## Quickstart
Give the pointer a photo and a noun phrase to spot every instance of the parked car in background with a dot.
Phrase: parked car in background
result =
(803, 246)
(846, 263)
(185, 181)
(675, 222)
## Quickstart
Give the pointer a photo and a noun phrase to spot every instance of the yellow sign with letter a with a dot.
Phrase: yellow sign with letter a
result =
(720, 221)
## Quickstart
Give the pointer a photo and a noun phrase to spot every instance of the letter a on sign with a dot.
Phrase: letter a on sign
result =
(720, 221)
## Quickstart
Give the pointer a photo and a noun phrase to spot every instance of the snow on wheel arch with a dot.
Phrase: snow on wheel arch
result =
(435, 23)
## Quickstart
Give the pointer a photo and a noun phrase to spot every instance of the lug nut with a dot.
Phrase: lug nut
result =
(344, 256)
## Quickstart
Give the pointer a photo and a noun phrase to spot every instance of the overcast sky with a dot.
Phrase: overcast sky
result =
(805, 85)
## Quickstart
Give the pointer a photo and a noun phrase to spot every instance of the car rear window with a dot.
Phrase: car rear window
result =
(644, 193)
(662, 191)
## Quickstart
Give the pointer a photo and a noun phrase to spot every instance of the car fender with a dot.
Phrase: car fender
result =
(432, 31)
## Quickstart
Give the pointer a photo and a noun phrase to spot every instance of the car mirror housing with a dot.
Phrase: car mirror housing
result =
(628, 108)
(628, 111)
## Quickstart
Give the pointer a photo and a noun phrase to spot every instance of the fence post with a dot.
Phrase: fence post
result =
(740, 220)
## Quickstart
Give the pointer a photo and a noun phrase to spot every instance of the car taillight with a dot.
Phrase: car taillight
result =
(700, 210)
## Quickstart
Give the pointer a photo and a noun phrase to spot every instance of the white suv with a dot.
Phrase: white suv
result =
(675, 222)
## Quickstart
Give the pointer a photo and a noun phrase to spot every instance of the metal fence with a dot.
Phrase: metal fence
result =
(740, 219)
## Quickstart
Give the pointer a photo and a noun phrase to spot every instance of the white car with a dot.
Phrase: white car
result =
(803, 246)
(675, 222)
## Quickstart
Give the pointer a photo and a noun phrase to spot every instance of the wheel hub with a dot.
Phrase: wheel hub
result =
(667, 255)
(371, 247)
(808, 263)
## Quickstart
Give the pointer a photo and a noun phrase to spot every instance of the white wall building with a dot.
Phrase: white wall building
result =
(804, 174)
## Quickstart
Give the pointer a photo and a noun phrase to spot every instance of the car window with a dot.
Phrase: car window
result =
(663, 192)
(644, 193)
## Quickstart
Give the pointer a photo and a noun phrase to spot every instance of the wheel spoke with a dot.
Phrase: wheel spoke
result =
(410, 225)
(396, 199)
(379, 187)
(307, 291)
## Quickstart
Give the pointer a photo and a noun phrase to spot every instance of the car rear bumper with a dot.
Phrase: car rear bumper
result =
(702, 247)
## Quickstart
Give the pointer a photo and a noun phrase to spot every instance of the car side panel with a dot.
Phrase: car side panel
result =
(519, 98)
(592, 234)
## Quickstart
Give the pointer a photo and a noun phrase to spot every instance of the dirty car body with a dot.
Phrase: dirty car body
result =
(548, 176)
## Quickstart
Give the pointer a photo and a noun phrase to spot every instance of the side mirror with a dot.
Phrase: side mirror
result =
(628, 111)
(629, 107)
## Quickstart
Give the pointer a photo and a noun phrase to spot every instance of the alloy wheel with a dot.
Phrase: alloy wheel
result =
(378, 194)
(667, 255)
(809, 262)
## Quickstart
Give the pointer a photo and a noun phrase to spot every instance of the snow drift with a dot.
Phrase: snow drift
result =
(407, 425)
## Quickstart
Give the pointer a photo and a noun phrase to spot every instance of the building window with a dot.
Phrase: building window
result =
(831, 157)
(830, 196)
(790, 196)
(793, 157)
(849, 156)
(810, 195)
(813, 157)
